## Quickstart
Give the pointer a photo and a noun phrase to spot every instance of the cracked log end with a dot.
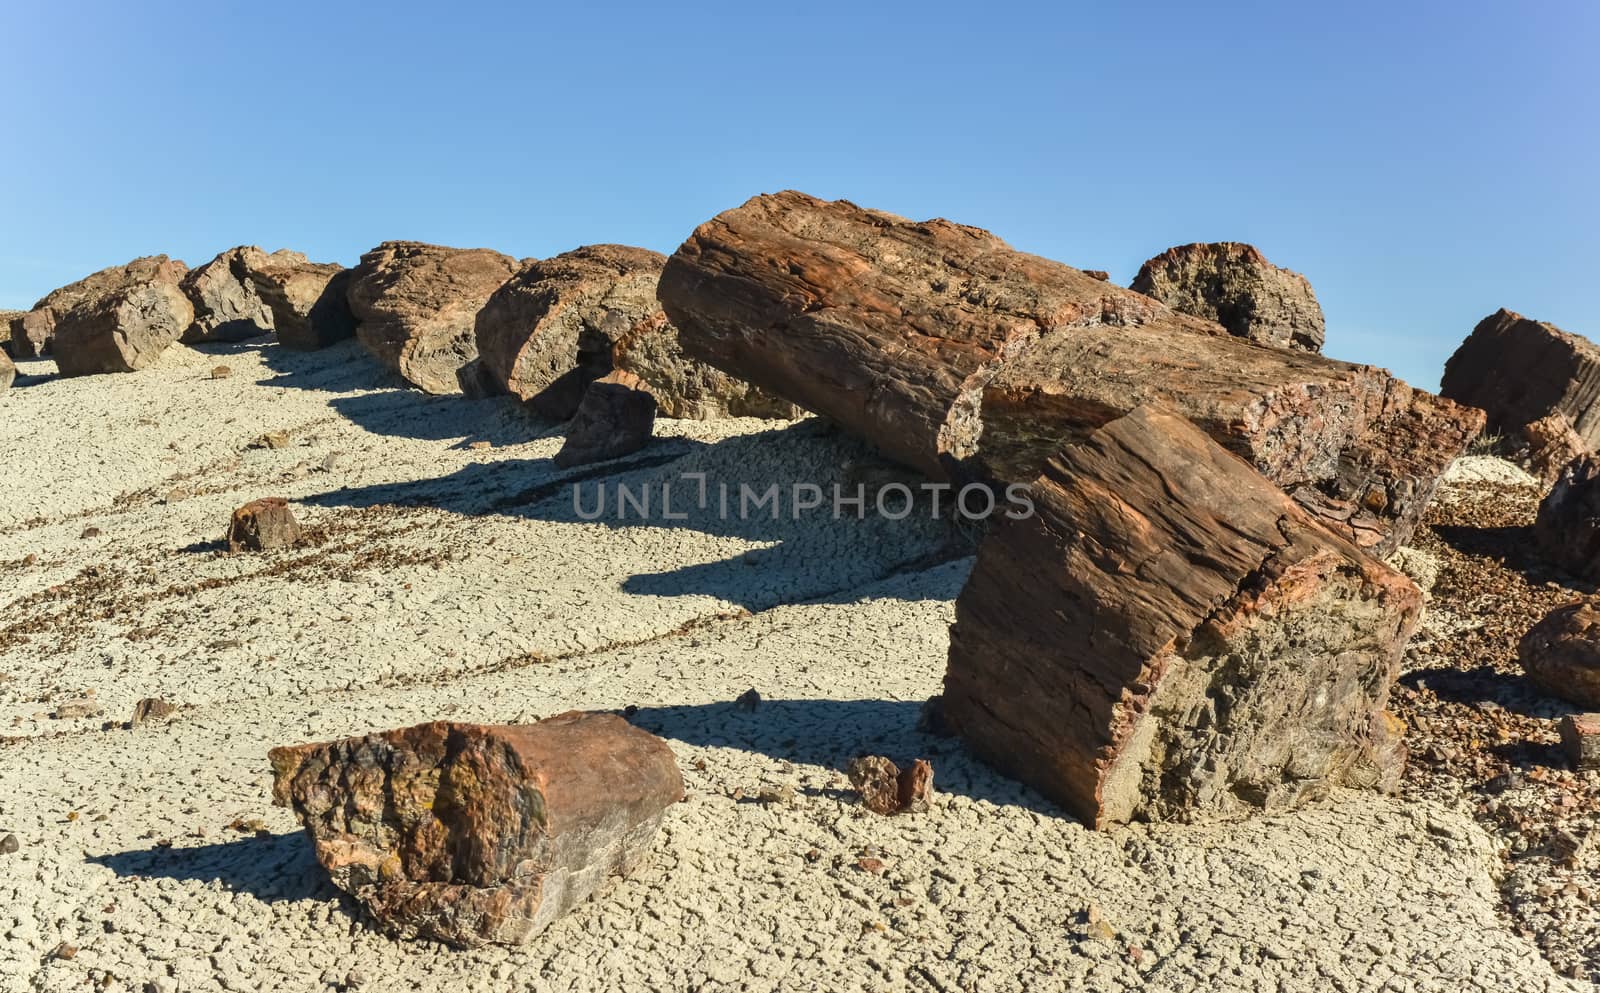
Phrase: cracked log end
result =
(470, 834)
(1171, 637)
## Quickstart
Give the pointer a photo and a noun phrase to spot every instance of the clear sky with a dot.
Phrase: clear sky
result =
(1422, 163)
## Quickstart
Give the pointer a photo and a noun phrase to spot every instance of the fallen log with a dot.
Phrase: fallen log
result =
(470, 833)
(964, 358)
(1171, 637)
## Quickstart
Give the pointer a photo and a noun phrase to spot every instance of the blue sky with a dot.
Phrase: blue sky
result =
(1422, 163)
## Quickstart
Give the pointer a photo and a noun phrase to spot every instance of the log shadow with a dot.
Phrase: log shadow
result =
(1486, 684)
(830, 733)
(1514, 545)
(868, 550)
(272, 868)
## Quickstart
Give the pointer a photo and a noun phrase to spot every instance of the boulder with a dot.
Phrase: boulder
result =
(1169, 636)
(561, 323)
(617, 417)
(1548, 446)
(308, 301)
(1562, 653)
(8, 372)
(33, 334)
(1519, 370)
(416, 305)
(1567, 527)
(965, 359)
(1234, 284)
(263, 525)
(227, 306)
(119, 319)
(470, 833)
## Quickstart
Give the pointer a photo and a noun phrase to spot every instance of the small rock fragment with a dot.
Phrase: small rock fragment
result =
(9, 845)
(152, 709)
(72, 709)
(748, 700)
(262, 525)
(221, 372)
(90, 532)
(65, 950)
(1580, 736)
(481, 446)
(886, 789)
(273, 440)
(779, 795)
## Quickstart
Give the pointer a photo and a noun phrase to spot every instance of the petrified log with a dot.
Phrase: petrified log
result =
(1234, 284)
(887, 326)
(1170, 636)
(417, 305)
(469, 833)
(561, 323)
(1567, 527)
(307, 299)
(120, 319)
(964, 358)
(227, 306)
(262, 525)
(1358, 448)
(8, 372)
(616, 418)
(1519, 370)
(1562, 652)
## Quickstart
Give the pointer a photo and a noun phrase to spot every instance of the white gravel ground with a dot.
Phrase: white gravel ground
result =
(453, 581)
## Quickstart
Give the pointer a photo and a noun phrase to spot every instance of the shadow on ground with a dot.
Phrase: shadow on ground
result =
(830, 733)
(269, 867)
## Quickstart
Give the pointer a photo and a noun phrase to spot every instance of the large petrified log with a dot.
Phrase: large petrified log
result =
(1520, 370)
(310, 309)
(417, 304)
(561, 323)
(119, 320)
(469, 833)
(1233, 284)
(1358, 448)
(1169, 636)
(227, 306)
(33, 334)
(964, 358)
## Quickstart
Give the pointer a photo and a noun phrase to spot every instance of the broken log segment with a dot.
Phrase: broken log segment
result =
(964, 358)
(472, 833)
(1171, 637)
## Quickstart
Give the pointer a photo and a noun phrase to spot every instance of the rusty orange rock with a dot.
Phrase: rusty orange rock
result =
(262, 525)
(472, 834)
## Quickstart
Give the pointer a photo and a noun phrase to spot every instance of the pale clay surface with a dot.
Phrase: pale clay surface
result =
(533, 613)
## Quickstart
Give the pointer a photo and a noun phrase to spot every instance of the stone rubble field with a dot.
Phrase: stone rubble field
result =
(448, 579)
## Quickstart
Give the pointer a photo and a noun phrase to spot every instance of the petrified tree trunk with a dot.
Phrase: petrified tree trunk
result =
(1520, 370)
(887, 326)
(963, 358)
(124, 322)
(307, 299)
(1357, 447)
(416, 305)
(469, 833)
(1169, 636)
(227, 306)
(561, 323)
(8, 372)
